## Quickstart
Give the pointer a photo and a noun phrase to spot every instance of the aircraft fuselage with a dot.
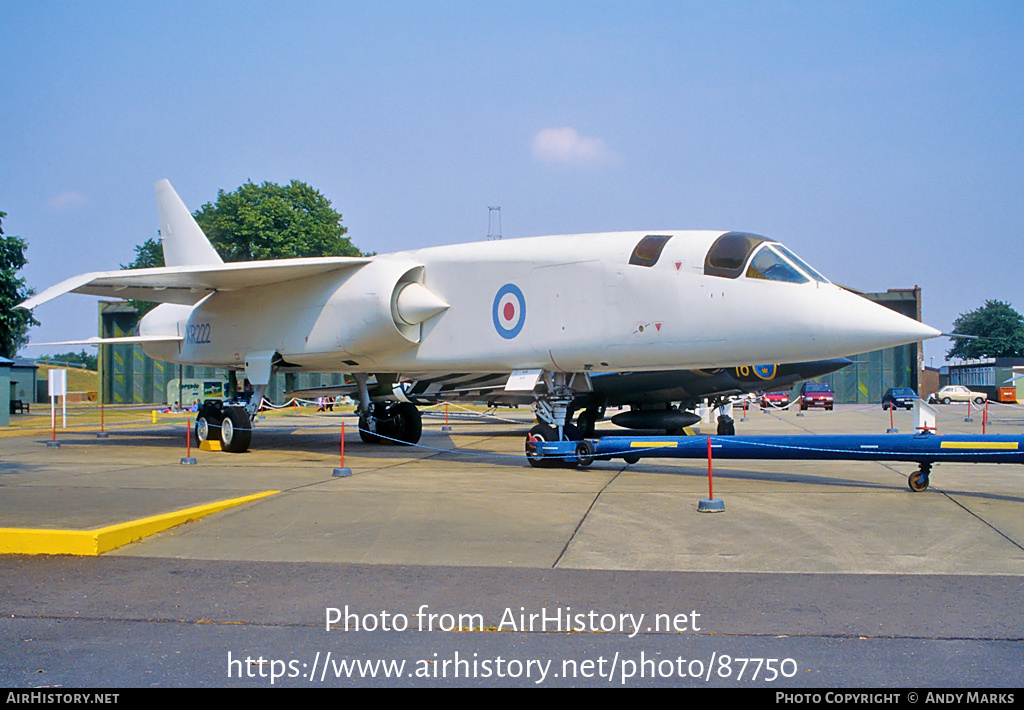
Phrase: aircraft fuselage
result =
(562, 303)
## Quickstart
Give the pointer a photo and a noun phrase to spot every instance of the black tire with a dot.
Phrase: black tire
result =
(726, 426)
(584, 453)
(365, 434)
(207, 427)
(946, 400)
(979, 401)
(540, 432)
(407, 425)
(235, 430)
(586, 421)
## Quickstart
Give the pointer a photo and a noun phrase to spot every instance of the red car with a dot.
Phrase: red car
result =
(816, 394)
(774, 400)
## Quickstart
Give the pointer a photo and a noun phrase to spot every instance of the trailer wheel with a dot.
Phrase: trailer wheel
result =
(585, 453)
(918, 481)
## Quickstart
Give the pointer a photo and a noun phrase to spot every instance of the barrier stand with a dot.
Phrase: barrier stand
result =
(892, 425)
(984, 417)
(800, 406)
(53, 443)
(342, 471)
(446, 427)
(710, 504)
(103, 432)
(744, 417)
(969, 419)
(188, 458)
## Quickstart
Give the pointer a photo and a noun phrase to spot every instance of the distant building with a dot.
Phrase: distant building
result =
(23, 380)
(987, 375)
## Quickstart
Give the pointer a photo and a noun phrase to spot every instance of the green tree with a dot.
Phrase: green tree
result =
(14, 323)
(271, 221)
(148, 254)
(71, 358)
(1000, 331)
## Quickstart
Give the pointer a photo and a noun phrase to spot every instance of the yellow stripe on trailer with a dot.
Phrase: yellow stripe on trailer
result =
(652, 444)
(999, 445)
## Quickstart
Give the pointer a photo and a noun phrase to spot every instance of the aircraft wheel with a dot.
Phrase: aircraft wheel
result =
(586, 420)
(365, 434)
(916, 483)
(541, 432)
(235, 430)
(207, 421)
(408, 425)
(726, 426)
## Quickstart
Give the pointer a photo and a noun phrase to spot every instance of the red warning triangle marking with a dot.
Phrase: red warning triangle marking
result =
(658, 326)
(679, 265)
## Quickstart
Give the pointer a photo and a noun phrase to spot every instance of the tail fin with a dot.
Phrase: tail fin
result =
(183, 241)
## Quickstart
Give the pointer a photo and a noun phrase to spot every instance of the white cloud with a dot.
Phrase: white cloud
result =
(68, 201)
(565, 145)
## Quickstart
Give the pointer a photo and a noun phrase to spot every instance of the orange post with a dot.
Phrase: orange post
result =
(711, 491)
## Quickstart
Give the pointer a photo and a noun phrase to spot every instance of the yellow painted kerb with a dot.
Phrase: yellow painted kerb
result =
(27, 541)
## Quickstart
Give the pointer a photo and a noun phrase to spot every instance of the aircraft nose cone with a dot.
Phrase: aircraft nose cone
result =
(862, 326)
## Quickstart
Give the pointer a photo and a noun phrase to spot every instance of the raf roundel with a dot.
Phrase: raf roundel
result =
(509, 311)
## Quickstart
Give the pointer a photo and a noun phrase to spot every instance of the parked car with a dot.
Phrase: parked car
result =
(774, 400)
(816, 394)
(899, 397)
(957, 393)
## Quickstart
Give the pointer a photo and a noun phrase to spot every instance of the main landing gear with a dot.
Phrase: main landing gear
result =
(228, 421)
(554, 410)
(390, 424)
(380, 423)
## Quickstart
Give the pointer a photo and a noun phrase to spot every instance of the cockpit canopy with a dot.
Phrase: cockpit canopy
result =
(736, 254)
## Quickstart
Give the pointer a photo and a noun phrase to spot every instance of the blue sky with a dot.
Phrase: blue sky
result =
(881, 141)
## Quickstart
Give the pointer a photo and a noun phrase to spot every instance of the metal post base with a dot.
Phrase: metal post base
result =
(342, 472)
(711, 505)
(188, 460)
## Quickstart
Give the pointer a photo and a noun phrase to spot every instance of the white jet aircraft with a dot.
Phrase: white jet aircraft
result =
(553, 310)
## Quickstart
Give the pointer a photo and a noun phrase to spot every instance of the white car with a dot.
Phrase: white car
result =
(957, 393)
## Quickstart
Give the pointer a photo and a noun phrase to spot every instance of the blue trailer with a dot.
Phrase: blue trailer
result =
(924, 449)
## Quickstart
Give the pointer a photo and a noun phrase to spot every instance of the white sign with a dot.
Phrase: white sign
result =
(57, 383)
(522, 380)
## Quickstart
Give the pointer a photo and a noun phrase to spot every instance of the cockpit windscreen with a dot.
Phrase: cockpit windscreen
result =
(736, 254)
